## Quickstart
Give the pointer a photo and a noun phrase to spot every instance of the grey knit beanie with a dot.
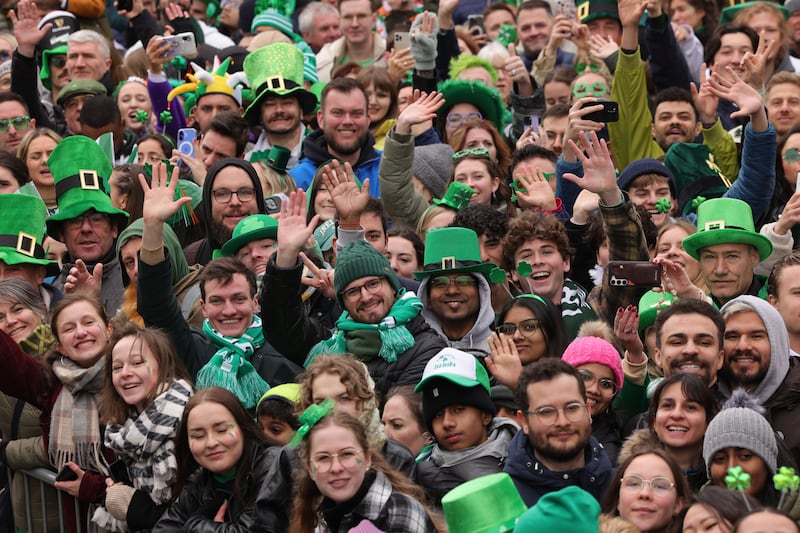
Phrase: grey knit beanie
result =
(433, 164)
(741, 427)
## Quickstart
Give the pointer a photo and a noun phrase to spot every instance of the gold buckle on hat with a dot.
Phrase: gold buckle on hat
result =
(583, 10)
(449, 263)
(89, 180)
(26, 244)
(276, 82)
(715, 224)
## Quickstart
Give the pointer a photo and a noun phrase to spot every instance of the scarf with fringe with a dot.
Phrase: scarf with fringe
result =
(230, 367)
(146, 443)
(75, 420)
(394, 336)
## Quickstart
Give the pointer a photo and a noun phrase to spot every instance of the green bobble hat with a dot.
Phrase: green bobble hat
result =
(486, 99)
(358, 260)
(44, 71)
(271, 18)
(570, 505)
(696, 173)
(22, 230)
(249, 229)
(76, 87)
(729, 13)
(452, 251)
(457, 196)
(725, 221)
(276, 70)
(650, 304)
(486, 504)
(597, 9)
(81, 170)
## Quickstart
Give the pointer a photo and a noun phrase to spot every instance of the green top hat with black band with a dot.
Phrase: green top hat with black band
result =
(22, 230)
(457, 196)
(80, 171)
(249, 229)
(486, 99)
(452, 251)
(276, 70)
(466, 510)
(597, 9)
(725, 221)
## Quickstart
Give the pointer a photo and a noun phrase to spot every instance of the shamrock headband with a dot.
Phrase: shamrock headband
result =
(310, 417)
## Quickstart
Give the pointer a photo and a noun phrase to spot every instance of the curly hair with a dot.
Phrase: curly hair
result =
(533, 225)
(352, 373)
(483, 220)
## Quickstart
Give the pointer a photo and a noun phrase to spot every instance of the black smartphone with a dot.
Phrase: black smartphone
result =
(634, 274)
(66, 474)
(124, 5)
(609, 113)
(119, 473)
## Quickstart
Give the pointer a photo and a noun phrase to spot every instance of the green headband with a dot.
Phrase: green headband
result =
(532, 297)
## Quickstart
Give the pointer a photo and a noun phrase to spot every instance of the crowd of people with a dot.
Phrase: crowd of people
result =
(347, 265)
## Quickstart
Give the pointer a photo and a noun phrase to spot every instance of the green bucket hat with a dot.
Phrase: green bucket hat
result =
(252, 228)
(571, 505)
(453, 251)
(729, 13)
(597, 9)
(650, 304)
(725, 221)
(80, 171)
(76, 87)
(486, 99)
(486, 504)
(696, 174)
(22, 230)
(44, 71)
(457, 196)
(277, 70)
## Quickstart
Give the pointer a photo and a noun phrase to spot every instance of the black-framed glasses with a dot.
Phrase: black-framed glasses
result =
(548, 415)
(456, 119)
(348, 458)
(245, 194)
(526, 328)
(443, 282)
(19, 123)
(605, 384)
(473, 152)
(635, 483)
(372, 286)
(95, 219)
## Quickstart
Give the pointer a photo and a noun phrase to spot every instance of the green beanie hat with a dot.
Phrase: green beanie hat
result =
(360, 259)
(570, 505)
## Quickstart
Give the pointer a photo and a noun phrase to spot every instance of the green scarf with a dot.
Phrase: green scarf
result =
(230, 367)
(394, 336)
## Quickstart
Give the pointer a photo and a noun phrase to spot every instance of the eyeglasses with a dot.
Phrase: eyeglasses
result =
(443, 282)
(596, 89)
(245, 194)
(590, 379)
(95, 219)
(634, 483)
(372, 286)
(58, 61)
(455, 119)
(19, 123)
(348, 458)
(526, 328)
(474, 152)
(548, 415)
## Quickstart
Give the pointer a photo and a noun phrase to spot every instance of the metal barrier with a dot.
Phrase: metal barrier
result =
(42, 478)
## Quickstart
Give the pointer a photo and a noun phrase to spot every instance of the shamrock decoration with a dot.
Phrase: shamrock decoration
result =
(506, 35)
(165, 117)
(663, 205)
(697, 201)
(737, 479)
(786, 479)
(792, 155)
(313, 414)
(524, 269)
(180, 63)
(516, 188)
(497, 275)
(142, 116)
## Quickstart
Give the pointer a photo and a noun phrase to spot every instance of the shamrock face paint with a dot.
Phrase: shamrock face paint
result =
(337, 462)
(214, 438)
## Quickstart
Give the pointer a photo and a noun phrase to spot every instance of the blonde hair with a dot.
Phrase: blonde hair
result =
(272, 182)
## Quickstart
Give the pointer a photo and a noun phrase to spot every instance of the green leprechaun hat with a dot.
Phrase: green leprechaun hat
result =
(457, 196)
(725, 221)
(486, 504)
(452, 251)
(729, 13)
(276, 69)
(249, 229)
(589, 10)
(81, 170)
(486, 99)
(696, 174)
(22, 230)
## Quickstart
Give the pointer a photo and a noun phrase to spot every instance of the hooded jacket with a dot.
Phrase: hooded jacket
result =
(477, 339)
(533, 480)
(177, 262)
(202, 250)
(315, 153)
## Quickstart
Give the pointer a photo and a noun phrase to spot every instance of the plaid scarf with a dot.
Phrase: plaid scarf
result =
(75, 421)
(230, 367)
(146, 442)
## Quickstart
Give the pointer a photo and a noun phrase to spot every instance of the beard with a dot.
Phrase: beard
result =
(746, 380)
(219, 233)
(346, 149)
(544, 450)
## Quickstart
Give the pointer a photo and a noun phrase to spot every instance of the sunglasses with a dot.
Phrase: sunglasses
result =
(596, 89)
(19, 123)
(58, 61)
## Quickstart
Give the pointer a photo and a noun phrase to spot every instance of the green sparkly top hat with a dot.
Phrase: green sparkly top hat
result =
(457, 196)
(22, 230)
(452, 251)
(80, 171)
(252, 228)
(725, 221)
(486, 504)
(277, 70)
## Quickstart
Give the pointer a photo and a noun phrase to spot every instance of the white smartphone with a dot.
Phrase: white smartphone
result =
(402, 40)
(182, 44)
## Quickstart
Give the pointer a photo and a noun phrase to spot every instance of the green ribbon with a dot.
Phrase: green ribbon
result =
(310, 417)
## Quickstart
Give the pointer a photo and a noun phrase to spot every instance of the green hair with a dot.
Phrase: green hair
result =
(463, 62)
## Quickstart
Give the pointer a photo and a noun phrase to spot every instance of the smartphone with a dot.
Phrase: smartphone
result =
(124, 5)
(118, 472)
(475, 24)
(566, 8)
(186, 137)
(609, 113)
(273, 204)
(182, 44)
(531, 122)
(797, 183)
(402, 40)
(66, 474)
(634, 274)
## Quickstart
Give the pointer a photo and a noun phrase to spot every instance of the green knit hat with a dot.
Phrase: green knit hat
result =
(80, 171)
(452, 251)
(249, 229)
(277, 70)
(486, 504)
(725, 221)
(696, 174)
(22, 230)
(571, 505)
(457, 196)
(360, 259)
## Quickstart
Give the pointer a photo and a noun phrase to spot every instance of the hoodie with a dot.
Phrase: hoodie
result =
(173, 247)
(477, 339)
(315, 153)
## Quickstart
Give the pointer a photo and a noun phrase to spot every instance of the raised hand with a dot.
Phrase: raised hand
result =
(156, 54)
(585, 204)
(631, 11)
(601, 46)
(159, 204)
(515, 67)
(789, 216)
(599, 175)
(576, 121)
(137, 6)
(348, 198)
(80, 279)
(537, 190)
(626, 328)
(705, 100)
(529, 136)
(734, 89)
(755, 64)
(675, 280)
(293, 230)
(321, 279)
(26, 21)
(562, 29)
(422, 109)
(504, 364)
(399, 63)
